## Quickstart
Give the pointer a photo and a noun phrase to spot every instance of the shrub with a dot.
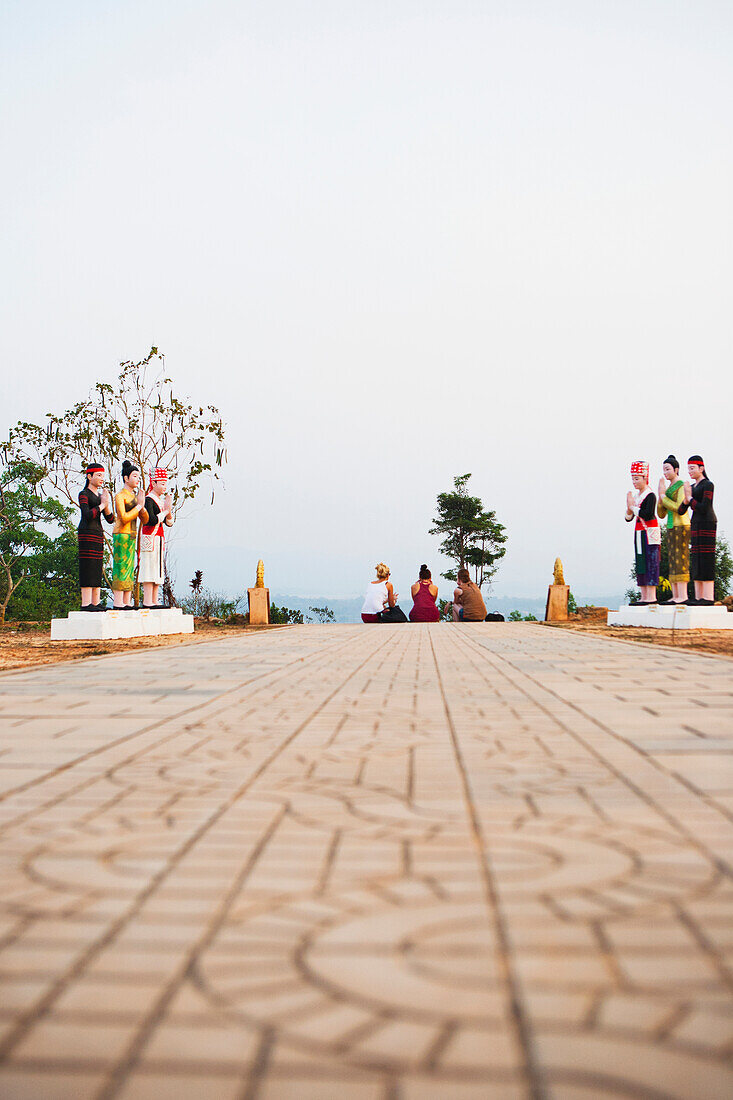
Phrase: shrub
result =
(323, 614)
(205, 604)
(282, 616)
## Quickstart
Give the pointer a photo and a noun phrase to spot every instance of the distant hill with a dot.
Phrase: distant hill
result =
(349, 610)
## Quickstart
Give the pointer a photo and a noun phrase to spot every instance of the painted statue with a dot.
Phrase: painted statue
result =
(129, 505)
(670, 511)
(159, 510)
(641, 506)
(94, 502)
(703, 529)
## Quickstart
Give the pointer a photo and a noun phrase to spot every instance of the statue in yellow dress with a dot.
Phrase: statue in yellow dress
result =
(677, 522)
(129, 504)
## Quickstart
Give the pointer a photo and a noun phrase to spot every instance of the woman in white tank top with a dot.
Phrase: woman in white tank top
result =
(379, 594)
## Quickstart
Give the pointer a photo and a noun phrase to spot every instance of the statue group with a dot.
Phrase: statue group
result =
(685, 508)
(153, 510)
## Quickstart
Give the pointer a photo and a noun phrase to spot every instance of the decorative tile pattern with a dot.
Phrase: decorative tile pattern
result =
(486, 861)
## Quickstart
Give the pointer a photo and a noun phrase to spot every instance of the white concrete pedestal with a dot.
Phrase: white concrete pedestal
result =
(107, 625)
(671, 616)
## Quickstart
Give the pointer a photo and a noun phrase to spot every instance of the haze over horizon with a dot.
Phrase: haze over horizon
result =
(393, 243)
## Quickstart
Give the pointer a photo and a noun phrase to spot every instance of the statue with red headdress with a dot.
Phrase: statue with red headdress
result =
(94, 502)
(159, 507)
(641, 506)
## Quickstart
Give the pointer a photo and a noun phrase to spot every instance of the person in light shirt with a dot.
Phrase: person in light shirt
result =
(379, 594)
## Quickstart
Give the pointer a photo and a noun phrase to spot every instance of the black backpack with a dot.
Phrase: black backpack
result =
(392, 615)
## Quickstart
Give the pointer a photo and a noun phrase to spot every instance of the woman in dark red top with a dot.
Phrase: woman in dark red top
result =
(424, 596)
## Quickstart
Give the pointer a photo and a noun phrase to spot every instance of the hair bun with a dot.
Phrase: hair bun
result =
(423, 566)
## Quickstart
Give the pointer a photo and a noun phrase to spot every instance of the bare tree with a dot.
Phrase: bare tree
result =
(138, 417)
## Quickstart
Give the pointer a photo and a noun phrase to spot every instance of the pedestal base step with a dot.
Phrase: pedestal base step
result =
(107, 625)
(671, 616)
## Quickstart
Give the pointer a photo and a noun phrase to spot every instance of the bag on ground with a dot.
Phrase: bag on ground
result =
(392, 615)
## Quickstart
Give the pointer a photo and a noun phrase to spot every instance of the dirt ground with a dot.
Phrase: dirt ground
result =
(23, 645)
(719, 642)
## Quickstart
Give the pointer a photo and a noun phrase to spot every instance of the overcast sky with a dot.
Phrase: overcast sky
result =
(394, 242)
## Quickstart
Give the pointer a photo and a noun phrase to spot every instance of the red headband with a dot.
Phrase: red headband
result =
(158, 474)
(640, 468)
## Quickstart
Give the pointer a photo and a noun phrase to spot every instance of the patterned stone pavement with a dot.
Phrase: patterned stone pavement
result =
(391, 863)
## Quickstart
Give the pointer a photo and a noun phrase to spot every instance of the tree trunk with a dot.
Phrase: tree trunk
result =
(8, 593)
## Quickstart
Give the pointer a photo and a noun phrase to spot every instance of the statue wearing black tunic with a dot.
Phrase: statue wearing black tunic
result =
(703, 530)
(91, 538)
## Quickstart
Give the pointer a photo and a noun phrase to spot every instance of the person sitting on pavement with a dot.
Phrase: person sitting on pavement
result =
(424, 596)
(468, 603)
(379, 594)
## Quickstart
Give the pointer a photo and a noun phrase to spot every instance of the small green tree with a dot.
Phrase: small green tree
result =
(50, 587)
(723, 568)
(471, 536)
(25, 517)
